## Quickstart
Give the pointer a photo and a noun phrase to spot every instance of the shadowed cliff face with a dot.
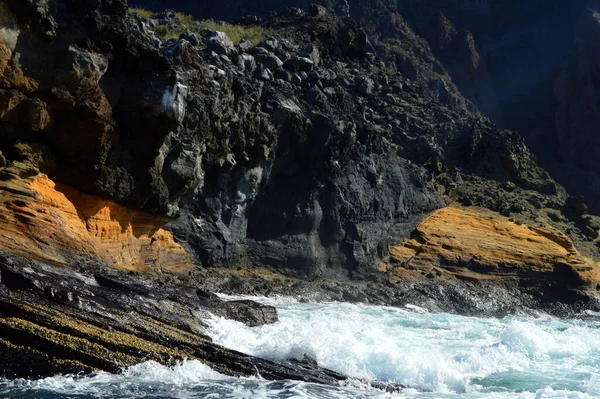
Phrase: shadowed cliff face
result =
(125, 149)
(524, 49)
(304, 152)
(528, 66)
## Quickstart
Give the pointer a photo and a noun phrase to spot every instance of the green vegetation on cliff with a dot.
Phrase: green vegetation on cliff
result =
(185, 22)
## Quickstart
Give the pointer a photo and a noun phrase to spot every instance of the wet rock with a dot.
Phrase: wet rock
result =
(155, 324)
(251, 313)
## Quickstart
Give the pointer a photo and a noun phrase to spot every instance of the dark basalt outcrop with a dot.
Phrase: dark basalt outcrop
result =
(529, 66)
(58, 320)
(304, 153)
(332, 157)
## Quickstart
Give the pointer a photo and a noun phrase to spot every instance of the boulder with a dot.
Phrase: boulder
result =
(312, 53)
(364, 85)
(269, 60)
(251, 313)
(191, 37)
(246, 62)
(218, 42)
(85, 64)
(297, 64)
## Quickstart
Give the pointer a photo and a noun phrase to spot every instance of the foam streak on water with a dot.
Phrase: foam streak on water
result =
(440, 355)
(444, 354)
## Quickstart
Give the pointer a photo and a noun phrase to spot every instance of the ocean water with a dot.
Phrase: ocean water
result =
(437, 355)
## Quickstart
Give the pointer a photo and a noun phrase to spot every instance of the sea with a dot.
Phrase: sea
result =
(436, 355)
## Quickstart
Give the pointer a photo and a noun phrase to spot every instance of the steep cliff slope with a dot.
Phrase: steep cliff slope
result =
(155, 156)
(528, 66)
(303, 152)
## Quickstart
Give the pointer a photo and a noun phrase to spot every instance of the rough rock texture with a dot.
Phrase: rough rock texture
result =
(313, 168)
(339, 161)
(60, 225)
(529, 66)
(57, 320)
(536, 73)
(478, 244)
(305, 154)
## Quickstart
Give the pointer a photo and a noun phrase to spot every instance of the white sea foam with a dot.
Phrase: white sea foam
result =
(189, 379)
(438, 355)
(187, 373)
(432, 352)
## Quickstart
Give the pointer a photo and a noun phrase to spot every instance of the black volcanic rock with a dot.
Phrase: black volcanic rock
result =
(528, 66)
(309, 153)
(314, 175)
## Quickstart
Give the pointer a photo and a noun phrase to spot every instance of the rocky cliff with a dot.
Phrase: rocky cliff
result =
(528, 66)
(151, 155)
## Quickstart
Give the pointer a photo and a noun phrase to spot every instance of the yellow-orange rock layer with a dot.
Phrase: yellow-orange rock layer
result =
(53, 223)
(475, 240)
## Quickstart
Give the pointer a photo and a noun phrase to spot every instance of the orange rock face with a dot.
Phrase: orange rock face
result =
(474, 242)
(56, 223)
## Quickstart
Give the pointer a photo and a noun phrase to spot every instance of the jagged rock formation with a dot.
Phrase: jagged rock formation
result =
(57, 320)
(529, 66)
(126, 150)
(525, 48)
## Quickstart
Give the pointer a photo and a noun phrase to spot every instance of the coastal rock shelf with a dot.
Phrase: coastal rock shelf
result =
(56, 320)
(474, 243)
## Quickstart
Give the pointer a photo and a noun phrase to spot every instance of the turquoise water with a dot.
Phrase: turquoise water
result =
(438, 355)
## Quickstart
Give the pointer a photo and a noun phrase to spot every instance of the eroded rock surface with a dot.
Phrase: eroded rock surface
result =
(479, 244)
(180, 160)
(57, 320)
(61, 225)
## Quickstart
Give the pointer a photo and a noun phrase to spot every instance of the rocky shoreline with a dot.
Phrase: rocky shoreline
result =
(67, 321)
(147, 162)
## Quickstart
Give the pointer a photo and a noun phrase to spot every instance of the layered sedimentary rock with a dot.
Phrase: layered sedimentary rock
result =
(475, 243)
(58, 224)
(57, 320)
